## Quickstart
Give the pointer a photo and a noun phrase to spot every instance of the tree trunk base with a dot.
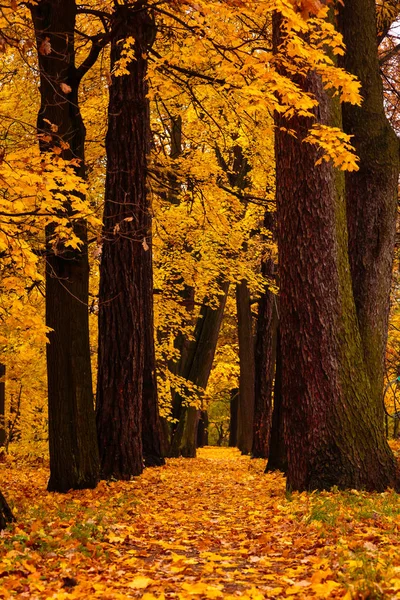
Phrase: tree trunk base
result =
(6, 515)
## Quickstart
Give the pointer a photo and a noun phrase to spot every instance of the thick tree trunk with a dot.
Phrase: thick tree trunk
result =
(233, 422)
(333, 433)
(246, 364)
(371, 192)
(72, 434)
(265, 356)
(6, 515)
(126, 376)
(197, 370)
(277, 459)
(3, 433)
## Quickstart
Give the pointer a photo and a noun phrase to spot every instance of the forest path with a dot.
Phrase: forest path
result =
(211, 527)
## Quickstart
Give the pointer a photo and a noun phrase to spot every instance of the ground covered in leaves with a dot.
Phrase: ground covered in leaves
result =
(211, 527)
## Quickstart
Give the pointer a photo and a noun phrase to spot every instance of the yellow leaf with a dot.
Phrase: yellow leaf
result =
(140, 583)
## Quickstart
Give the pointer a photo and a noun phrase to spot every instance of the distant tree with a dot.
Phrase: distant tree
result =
(246, 362)
(265, 354)
(277, 455)
(233, 420)
(198, 366)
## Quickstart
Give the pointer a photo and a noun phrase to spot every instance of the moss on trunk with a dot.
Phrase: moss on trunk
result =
(333, 432)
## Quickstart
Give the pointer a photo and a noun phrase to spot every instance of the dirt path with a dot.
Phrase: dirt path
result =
(212, 527)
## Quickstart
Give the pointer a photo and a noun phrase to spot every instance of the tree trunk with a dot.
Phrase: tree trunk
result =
(333, 433)
(185, 348)
(371, 192)
(72, 434)
(265, 356)
(6, 515)
(126, 376)
(202, 430)
(197, 370)
(233, 422)
(277, 460)
(153, 455)
(3, 434)
(246, 362)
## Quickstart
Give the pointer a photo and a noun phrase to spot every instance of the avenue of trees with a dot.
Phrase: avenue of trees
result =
(174, 173)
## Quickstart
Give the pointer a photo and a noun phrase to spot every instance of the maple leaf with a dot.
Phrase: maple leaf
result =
(45, 47)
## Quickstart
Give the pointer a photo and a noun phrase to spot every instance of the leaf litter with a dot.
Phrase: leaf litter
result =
(211, 527)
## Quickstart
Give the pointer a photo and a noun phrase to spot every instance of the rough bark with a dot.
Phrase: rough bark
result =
(333, 433)
(126, 376)
(198, 367)
(233, 422)
(277, 459)
(265, 356)
(72, 434)
(6, 515)
(371, 192)
(3, 434)
(246, 368)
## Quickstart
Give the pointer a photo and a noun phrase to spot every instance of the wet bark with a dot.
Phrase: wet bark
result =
(265, 355)
(333, 433)
(246, 366)
(197, 370)
(371, 192)
(126, 376)
(72, 434)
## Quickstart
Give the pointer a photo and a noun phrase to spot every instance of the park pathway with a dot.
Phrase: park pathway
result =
(211, 527)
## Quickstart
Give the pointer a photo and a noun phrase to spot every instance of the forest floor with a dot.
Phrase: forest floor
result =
(211, 527)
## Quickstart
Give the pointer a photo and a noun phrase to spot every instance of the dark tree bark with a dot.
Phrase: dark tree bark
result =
(153, 455)
(6, 515)
(202, 429)
(246, 365)
(72, 434)
(233, 422)
(277, 459)
(371, 192)
(3, 434)
(197, 370)
(126, 377)
(265, 356)
(333, 433)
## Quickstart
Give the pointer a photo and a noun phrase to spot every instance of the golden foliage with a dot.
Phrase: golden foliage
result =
(211, 527)
(213, 68)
